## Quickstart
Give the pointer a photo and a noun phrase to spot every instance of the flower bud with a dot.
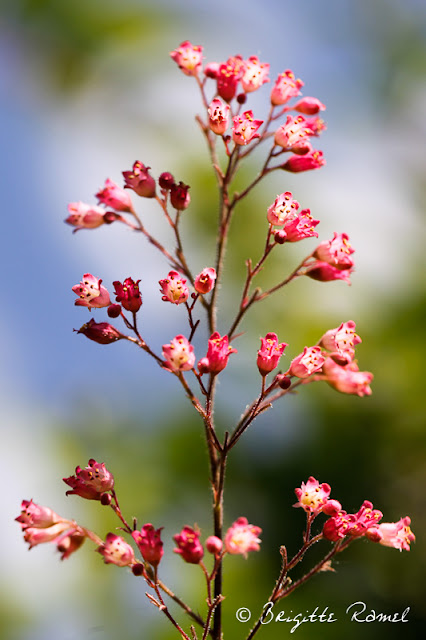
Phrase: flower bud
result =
(214, 545)
(100, 332)
(166, 180)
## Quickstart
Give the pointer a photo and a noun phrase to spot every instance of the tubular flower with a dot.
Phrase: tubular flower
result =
(91, 293)
(269, 353)
(205, 280)
(114, 196)
(139, 180)
(286, 86)
(128, 294)
(299, 225)
(393, 534)
(100, 332)
(85, 216)
(336, 251)
(116, 550)
(309, 106)
(179, 354)
(341, 342)
(312, 160)
(149, 543)
(283, 208)
(348, 378)
(312, 496)
(34, 515)
(228, 76)
(218, 116)
(307, 363)
(255, 74)
(218, 352)
(325, 272)
(245, 128)
(352, 524)
(91, 482)
(242, 537)
(293, 134)
(188, 57)
(189, 546)
(174, 288)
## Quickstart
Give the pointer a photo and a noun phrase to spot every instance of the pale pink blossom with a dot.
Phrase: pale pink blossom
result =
(116, 550)
(218, 116)
(85, 216)
(205, 280)
(341, 342)
(336, 251)
(294, 135)
(114, 196)
(179, 354)
(307, 363)
(255, 74)
(286, 86)
(393, 534)
(242, 537)
(269, 353)
(91, 482)
(174, 288)
(245, 128)
(188, 57)
(189, 546)
(218, 352)
(283, 208)
(35, 515)
(347, 378)
(312, 496)
(149, 543)
(91, 293)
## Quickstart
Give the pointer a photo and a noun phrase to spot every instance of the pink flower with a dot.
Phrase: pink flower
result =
(325, 272)
(128, 294)
(114, 196)
(214, 545)
(269, 353)
(393, 534)
(255, 74)
(312, 160)
(205, 280)
(179, 196)
(293, 134)
(286, 86)
(174, 288)
(299, 226)
(305, 364)
(189, 545)
(91, 293)
(312, 496)
(139, 180)
(341, 342)
(40, 535)
(337, 527)
(149, 543)
(34, 515)
(179, 354)
(309, 106)
(218, 116)
(188, 57)
(91, 482)
(245, 128)
(336, 251)
(348, 378)
(352, 524)
(116, 550)
(242, 537)
(86, 216)
(228, 76)
(283, 208)
(100, 332)
(218, 352)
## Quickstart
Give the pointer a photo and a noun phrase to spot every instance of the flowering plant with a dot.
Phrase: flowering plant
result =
(232, 133)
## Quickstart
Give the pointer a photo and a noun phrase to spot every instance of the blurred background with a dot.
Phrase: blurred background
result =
(88, 87)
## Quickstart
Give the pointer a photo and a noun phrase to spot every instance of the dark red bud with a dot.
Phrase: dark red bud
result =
(283, 381)
(106, 499)
(241, 98)
(138, 569)
(166, 180)
(114, 310)
(280, 236)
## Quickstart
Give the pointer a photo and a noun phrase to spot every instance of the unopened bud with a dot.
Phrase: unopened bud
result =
(106, 499)
(280, 236)
(284, 382)
(166, 180)
(114, 310)
(241, 98)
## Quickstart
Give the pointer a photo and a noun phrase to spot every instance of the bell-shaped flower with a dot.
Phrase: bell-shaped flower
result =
(189, 546)
(91, 482)
(179, 354)
(174, 288)
(242, 537)
(149, 543)
(91, 293)
(188, 57)
(286, 87)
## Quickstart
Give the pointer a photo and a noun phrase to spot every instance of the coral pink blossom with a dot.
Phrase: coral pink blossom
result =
(188, 57)
(325, 272)
(393, 534)
(312, 160)
(139, 180)
(149, 543)
(179, 196)
(189, 545)
(255, 74)
(218, 116)
(336, 251)
(269, 353)
(352, 524)
(341, 342)
(245, 128)
(116, 550)
(242, 537)
(91, 293)
(293, 134)
(309, 106)
(205, 280)
(312, 496)
(218, 352)
(347, 378)
(85, 216)
(114, 196)
(128, 294)
(305, 364)
(34, 515)
(91, 482)
(286, 86)
(174, 288)
(299, 225)
(214, 545)
(100, 332)
(283, 208)
(228, 76)
(179, 354)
